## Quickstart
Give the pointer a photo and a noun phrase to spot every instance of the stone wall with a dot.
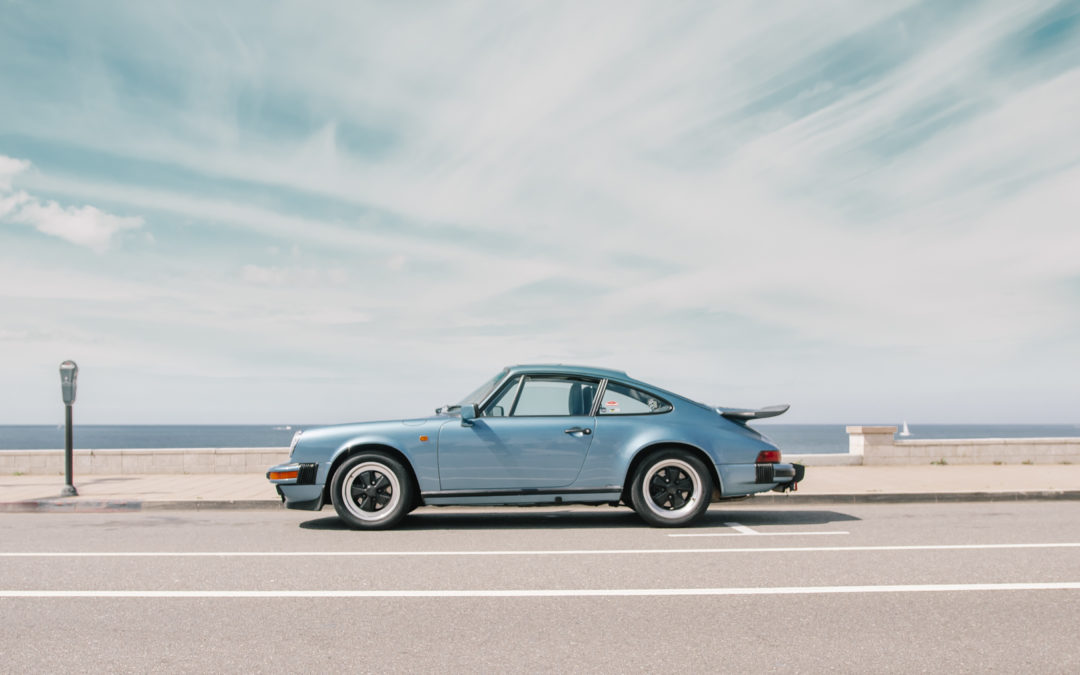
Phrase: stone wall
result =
(868, 445)
(878, 445)
(166, 460)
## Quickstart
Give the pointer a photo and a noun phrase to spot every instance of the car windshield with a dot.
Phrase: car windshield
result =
(483, 390)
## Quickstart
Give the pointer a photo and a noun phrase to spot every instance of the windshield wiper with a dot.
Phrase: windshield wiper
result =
(447, 409)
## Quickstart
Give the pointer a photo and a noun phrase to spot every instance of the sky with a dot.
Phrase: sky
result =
(303, 212)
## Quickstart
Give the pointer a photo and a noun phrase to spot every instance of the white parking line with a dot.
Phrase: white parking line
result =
(553, 593)
(616, 551)
(757, 534)
(742, 531)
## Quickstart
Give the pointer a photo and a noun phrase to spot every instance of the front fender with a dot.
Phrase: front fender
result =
(420, 456)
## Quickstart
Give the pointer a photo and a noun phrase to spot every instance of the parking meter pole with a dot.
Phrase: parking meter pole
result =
(69, 374)
(69, 486)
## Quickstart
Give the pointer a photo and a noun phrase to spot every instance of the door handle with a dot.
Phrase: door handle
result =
(578, 430)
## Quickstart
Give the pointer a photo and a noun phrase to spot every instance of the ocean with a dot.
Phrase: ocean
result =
(793, 438)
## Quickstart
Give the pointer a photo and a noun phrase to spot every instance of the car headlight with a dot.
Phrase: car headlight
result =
(295, 439)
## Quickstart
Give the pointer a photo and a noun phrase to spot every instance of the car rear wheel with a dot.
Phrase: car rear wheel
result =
(671, 488)
(372, 491)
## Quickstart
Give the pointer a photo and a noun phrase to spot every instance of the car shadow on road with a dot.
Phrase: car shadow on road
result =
(608, 518)
(793, 517)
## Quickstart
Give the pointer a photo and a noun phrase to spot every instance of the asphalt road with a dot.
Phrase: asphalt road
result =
(855, 588)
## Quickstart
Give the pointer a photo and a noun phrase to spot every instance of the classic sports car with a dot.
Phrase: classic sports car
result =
(540, 435)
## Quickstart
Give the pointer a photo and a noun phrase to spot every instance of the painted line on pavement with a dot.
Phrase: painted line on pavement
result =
(757, 534)
(620, 551)
(742, 531)
(554, 593)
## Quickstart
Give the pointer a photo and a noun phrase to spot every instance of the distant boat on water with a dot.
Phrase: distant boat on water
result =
(904, 431)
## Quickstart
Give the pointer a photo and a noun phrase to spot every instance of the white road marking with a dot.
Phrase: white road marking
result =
(759, 534)
(617, 551)
(741, 529)
(553, 593)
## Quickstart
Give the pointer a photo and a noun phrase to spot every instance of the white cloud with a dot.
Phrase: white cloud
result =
(647, 195)
(84, 226)
(9, 203)
(255, 274)
(9, 167)
(261, 275)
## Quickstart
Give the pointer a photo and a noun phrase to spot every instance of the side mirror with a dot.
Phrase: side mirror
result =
(468, 414)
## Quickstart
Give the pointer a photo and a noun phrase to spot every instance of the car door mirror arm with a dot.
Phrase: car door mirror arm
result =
(468, 414)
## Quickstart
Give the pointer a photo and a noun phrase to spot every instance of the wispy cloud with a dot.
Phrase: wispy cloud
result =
(774, 198)
(9, 168)
(84, 226)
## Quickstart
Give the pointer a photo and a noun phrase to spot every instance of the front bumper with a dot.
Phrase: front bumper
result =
(295, 484)
(787, 476)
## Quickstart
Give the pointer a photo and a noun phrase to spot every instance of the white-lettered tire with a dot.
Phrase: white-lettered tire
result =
(671, 488)
(372, 491)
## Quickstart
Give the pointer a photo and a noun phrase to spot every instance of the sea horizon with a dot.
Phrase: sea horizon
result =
(793, 438)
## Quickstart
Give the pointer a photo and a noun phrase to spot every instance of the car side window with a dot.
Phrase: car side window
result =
(549, 396)
(501, 405)
(620, 399)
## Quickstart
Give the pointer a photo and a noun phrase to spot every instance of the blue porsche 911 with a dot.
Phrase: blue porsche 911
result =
(540, 435)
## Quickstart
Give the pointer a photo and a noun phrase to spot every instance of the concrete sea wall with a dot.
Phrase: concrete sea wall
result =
(879, 446)
(136, 461)
(867, 446)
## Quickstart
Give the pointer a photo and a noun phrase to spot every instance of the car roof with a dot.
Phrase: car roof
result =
(591, 371)
(568, 370)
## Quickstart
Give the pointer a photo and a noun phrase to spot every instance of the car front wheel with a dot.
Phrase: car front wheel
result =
(671, 488)
(372, 491)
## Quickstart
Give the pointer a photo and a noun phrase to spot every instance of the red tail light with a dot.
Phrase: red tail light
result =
(768, 457)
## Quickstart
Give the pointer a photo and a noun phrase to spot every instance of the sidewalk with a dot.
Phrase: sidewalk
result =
(824, 484)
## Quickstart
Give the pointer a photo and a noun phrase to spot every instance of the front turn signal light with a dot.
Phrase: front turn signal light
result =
(283, 475)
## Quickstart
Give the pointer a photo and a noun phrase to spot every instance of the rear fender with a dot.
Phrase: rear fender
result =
(644, 452)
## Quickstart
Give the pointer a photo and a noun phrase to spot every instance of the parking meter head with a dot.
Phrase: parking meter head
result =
(69, 372)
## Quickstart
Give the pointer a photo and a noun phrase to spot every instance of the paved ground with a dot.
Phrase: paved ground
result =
(252, 490)
(882, 588)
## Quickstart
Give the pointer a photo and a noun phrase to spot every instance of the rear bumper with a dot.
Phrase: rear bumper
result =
(786, 476)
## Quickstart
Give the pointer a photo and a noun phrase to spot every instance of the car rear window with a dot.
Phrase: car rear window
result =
(620, 399)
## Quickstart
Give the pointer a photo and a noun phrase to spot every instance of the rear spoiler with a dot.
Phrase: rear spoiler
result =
(748, 414)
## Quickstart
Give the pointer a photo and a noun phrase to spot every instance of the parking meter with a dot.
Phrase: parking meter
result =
(69, 373)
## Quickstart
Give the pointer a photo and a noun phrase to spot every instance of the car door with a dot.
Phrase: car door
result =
(534, 433)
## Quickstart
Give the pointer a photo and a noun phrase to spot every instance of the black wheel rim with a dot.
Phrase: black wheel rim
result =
(371, 490)
(671, 488)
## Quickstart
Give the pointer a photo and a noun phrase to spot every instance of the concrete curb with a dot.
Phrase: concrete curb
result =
(113, 506)
(69, 506)
(214, 505)
(919, 497)
(790, 499)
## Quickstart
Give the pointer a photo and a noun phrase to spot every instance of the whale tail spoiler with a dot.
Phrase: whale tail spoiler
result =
(749, 414)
